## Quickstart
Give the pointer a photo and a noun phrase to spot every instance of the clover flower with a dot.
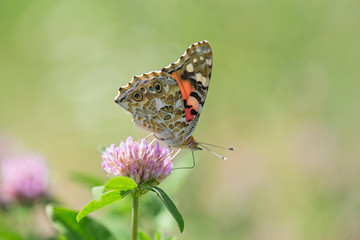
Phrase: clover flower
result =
(23, 177)
(137, 160)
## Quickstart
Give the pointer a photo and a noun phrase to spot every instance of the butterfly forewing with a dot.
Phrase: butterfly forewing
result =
(192, 72)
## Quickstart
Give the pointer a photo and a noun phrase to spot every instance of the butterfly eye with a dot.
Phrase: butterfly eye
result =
(137, 96)
(157, 87)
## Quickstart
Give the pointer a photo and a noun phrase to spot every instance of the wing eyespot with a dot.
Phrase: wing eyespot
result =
(137, 96)
(157, 87)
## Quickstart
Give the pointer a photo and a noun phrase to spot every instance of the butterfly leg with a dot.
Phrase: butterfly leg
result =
(177, 152)
(192, 152)
(152, 141)
(168, 156)
(148, 136)
(171, 153)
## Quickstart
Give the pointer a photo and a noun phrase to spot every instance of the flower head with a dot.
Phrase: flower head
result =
(23, 177)
(137, 160)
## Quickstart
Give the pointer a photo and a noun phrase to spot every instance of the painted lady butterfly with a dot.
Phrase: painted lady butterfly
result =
(168, 102)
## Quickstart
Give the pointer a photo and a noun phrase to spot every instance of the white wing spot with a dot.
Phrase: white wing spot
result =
(159, 104)
(178, 103)
(190, 67)
(208, 61)
(201, 58)
(205, 81)
(195, 60)
(200, 78)
(166, 88)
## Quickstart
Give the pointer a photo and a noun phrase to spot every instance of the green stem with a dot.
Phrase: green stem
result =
(134, 218)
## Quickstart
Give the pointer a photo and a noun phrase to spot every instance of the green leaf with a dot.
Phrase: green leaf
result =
(151, 182)
(143, 236)
(86, 179)
(169, 205)
(115, 189)
(106, 199)
(88, 229)
(97, 192)
(120, 183)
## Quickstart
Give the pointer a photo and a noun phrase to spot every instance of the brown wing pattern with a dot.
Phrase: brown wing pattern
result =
(159, 109)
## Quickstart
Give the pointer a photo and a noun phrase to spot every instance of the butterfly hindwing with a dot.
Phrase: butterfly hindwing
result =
(159, 109)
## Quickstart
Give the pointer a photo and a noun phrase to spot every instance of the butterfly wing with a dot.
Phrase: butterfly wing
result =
(155, 102)
(192, 72)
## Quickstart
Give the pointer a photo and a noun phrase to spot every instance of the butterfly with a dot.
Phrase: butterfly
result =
(168, 103)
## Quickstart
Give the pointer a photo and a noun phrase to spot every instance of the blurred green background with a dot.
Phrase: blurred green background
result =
(284, 93)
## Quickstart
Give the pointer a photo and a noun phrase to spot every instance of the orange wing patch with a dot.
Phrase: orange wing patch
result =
(191, 103)
(185, 86)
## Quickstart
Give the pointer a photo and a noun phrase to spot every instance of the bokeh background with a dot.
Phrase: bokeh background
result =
(284, 93)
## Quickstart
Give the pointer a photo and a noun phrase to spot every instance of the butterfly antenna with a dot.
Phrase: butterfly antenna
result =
(216, 154)
(187, 167)
(226, 148)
